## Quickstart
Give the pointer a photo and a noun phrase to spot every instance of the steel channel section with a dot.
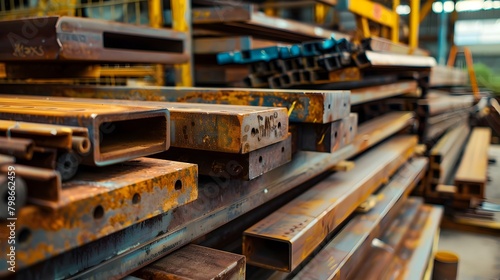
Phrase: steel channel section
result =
(99, 202)
(311, 106)
(377, 263)
(246, 166)
(196, 262)
(471, 176)
(17, 147)
(221, 200)
(44, 135)
(339, 258)
(117, 132)
(92, 40)
(328, 138)
(286, 237)
(368, 94)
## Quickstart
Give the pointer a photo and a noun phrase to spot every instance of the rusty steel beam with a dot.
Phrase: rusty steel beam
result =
(340, 258)
(471, 176)
(311, 106)
(246, 166)
(220, 75)
(433, 130)
(196, 262)
(42, 157)
(373, 93)
(51, 136)
(43, 185)
(84, 39)
(328, 138)
(439, 103)
(444, 76)
(286, 237)
(229, 44)
(378, 44)
(117, 132)
(17, 147)
(376, 130)
(221, 199)
(102, 201)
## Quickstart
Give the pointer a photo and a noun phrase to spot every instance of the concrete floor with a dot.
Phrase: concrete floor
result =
(479, 255)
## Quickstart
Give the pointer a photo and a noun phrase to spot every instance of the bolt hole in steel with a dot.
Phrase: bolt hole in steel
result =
(335, 134)
(260, 159)
(98, 212)
(253, 132)
(329, 106)
(350, 128)
(282, 149)
(192, 123)
(24, 235)
(136, 198)
(178, 185)
(279, 125)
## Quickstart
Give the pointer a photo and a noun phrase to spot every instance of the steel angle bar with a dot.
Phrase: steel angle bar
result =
(438, 103)
(221, 200)
(312, 106)
(246, 166)
(196, 262)
(17, 147)
(376, 130)
(443, 76)
(373, 93)
(390, 60)
(85, 39)
(471, 176)
(43, 185)
(340, 258)
(288, 236)
(378, 44)
(377, 263)
(46, 135)
(117, 132)
(328, 137)
(102, 201)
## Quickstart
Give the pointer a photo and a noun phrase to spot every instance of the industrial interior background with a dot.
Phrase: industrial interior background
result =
(249, 139)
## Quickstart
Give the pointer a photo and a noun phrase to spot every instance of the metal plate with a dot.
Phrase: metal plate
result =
(311, 106)
(246, 166)
(102, 201)
(288, 236)
(84, 39)
(117, 132)
(196, 262)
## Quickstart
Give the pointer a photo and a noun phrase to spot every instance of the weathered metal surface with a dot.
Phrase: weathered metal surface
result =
(434, 130)
(17, 147)
(3, 73)
(390, 60)
(102, 201)
(196, 262)
(286, 237)
(311, 106)
(42, 157)
(368, 94)
(4, 159)
(228, 44)
(378, 44)
(342, 255)
(41, 70)
(377, 263)
(85, 39)
(471, 176)
(374, 131)
(442, 76)
(246, 166)
(117, 132)
(221, 200)
(43, 185)
(328, 137)
(220, 75)
(438, 103)
(46, 135)
(244, 19)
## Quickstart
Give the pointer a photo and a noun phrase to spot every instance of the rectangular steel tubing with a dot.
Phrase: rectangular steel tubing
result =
(117, 132)
(246, 166)
(222, 200)
(196, 262)
(84, 39)
(376, 130)
(42, 157)
(101, 201)
(373, 93)
(288, 236)
(340, 257)
(45, 135)
(377, 263)
(311, 106)
(330, 137)
(438, 103)
(17, 147)
(43, 186)
(471, 176)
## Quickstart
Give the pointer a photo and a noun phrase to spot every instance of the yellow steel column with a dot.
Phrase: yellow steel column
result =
(181, 21)
(320, 11)
(426, 8)
(395, 28)
(414, 22)
(156, 21)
